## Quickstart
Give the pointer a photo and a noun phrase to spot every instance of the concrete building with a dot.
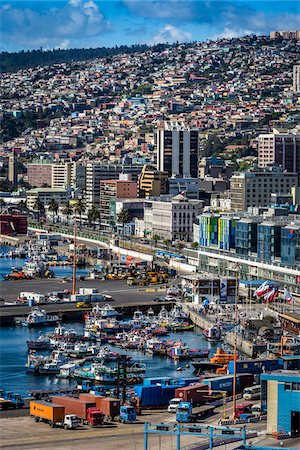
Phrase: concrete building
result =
(280, 396)
(254, 188)
(200, 287)
(95, 172)
(187, 186)
(68, 175)
(171, 218)
(110, 191)
(289, 34)
(13, 169)
(296, 78)
(280, 149)
(178, 150)
(152, 182)
(45, 195)
(39, 174)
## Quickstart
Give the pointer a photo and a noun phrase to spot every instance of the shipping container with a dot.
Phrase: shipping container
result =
(255, 366)
(48, 411)
(156, 380)
(225, 382)
(193, 394)
(74, 405)
(108, 405)
(188, 380)
(149, 396)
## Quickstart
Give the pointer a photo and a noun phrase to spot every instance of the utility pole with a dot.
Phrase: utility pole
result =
(74, 253)
(235, 339)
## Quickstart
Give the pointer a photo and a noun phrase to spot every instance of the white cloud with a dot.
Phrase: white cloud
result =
(170, 34)
(56, 27)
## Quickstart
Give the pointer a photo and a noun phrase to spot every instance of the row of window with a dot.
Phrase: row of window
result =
(291, 386)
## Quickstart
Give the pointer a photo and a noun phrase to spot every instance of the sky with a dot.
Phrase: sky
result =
(96, 23)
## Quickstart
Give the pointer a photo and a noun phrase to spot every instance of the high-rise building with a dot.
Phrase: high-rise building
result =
(152, 182)
(296, 78)
(254, 188)
(280, 149)
(13, 169)
(178, 150)
(110, 191)
(95, 172)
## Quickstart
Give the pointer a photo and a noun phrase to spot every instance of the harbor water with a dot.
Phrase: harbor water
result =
(6, 265)
(13, 375)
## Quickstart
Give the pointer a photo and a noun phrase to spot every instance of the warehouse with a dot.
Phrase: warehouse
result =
(281, 397)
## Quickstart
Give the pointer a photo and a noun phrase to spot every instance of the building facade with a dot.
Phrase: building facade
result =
(45, 195)
(177, 150)
(13, 169)
(110, 191)
(152, 182)
(251, 189)
(296, 78)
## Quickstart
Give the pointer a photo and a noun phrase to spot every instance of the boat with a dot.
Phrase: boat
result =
(205, 366)
(221, 357)
(41, 343)
(39, 317)
(212, 334)
(101, 374)
(182, 327)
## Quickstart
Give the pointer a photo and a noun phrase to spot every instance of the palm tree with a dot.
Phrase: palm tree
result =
(2, 204)
(93, 214)
(79, 207)
(67, 211)
(53, 207)
(123, 217)
(39, 208)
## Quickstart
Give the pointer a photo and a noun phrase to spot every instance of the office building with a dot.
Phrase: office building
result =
(45, 195)
(152, 182)
(13, 169)
(280, 149)
(177, 150)
(186, 186)
(246, 237)
(268, 241)
(280, 397)
(39, 174)
(251, 189)
(290, 245)
(68, 175)
(208, 229)
(110, 191)
(296, 78)
(95, 172)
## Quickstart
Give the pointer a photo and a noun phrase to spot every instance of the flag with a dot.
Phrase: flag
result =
(271, 295)
(263, 289)
(288, 296)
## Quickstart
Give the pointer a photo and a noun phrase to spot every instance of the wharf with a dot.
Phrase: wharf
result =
(249, 348)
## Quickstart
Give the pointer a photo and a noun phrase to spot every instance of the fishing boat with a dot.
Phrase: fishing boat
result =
(41, 343)
(182, 327)
(101, 374)
(205, 366)
(212, 334)
(39, 317)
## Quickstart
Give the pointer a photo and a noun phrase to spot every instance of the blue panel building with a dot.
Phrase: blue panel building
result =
(268, 241)
(280, 394)
(290, 245)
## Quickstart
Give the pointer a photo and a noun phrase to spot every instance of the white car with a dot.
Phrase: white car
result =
(173, 405)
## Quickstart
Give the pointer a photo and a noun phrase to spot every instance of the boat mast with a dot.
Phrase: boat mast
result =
(235, 339)
(74, 253)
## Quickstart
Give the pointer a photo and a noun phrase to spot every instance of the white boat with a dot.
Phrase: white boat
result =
(39, 317)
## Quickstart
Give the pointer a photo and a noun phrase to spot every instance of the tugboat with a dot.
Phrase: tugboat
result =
(38, 317)
(220, 357)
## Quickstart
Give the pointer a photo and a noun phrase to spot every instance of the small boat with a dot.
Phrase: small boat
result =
(39, 317)
(182, 327)
(212, 334)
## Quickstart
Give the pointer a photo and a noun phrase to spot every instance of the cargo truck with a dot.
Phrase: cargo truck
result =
(186, 413)
(53, 414)
(108, 405)
(127, 414)
(193, 393)
(85, 410)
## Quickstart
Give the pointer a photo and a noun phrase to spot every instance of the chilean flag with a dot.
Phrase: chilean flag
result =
(288, 296)
(271, 295)
(263, 289)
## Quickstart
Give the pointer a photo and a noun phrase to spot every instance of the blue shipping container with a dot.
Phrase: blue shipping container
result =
(149, 395)
(156, 380)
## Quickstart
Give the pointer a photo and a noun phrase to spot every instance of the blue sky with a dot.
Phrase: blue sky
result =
(93, 23)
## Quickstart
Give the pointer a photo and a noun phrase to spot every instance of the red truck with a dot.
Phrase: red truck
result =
(85, 410)
(108, 405)
(194, 393)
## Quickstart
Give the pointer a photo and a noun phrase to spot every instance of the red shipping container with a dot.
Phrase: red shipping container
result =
(191, 394)
(74, 405)
(108, 405)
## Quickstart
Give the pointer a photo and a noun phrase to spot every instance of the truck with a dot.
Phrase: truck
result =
(127, 414)
(186, 413)
(244, 408)
(173, 404)
(16, 400)
(85, 410)
(109, 406)
(193, 393)
(52, 414)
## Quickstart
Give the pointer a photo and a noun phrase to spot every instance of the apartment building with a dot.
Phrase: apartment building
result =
(45, 195)
(178, 150)
(280, 149)
(296, 78)
(57, 176)
(255, 188)
(110, 191)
